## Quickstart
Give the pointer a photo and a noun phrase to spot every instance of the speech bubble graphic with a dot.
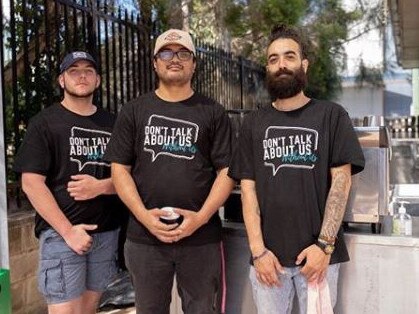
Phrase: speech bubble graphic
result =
(293, 147)
(170, 137)
(88, 146)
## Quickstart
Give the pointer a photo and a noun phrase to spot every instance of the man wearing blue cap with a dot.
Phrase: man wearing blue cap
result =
(69, 185)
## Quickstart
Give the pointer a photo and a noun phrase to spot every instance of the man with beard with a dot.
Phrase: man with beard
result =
(69, 185)
(170, 150)
(294, 159)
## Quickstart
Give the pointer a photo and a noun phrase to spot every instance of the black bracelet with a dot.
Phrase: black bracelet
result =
(255, 258)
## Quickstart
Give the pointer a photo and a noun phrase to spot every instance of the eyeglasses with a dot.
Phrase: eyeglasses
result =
(182, 55)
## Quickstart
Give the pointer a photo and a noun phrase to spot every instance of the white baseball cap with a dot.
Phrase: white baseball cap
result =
(174, 36)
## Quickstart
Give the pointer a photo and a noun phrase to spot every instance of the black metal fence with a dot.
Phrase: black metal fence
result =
(233, 81)
(36, 34)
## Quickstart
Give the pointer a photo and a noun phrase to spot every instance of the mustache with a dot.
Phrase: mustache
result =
(174, 63)
(282, 71)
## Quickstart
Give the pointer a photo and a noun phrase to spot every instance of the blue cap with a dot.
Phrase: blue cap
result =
(75, 56)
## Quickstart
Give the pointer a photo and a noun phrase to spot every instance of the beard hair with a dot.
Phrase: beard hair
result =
(78, 95)
(283, 87)
(177, 80)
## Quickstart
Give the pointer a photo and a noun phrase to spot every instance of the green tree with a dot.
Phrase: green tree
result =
(327, 25)
(372, 76)
(252, 20)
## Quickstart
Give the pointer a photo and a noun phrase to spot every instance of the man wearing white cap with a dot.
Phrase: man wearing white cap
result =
(170, 149)
(69, 185)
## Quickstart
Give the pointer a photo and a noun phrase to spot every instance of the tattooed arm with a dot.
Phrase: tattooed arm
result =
(336, 202)
(316, 260)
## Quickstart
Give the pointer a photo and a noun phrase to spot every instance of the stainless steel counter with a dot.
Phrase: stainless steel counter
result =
(382, 276)
(404, 164)
(405, 137)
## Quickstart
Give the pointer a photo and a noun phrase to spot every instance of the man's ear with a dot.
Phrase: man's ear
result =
(305, 65)
(98, 80)
(61, 80)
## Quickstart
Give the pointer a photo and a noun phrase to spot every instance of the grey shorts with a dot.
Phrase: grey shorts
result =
(64, 275)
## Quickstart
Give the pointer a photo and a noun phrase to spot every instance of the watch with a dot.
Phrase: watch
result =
(327, 248)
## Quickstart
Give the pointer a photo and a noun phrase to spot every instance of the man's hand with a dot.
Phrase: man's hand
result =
(164, 232)
(191, 222)
(316, 263)
(84, 187)
(267, 269)
(78, 239)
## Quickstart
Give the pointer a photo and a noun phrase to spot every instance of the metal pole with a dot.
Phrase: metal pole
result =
(415, 92)
(4, 238)
(4, 243)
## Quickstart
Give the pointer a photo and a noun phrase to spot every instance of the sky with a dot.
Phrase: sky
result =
(368, 47)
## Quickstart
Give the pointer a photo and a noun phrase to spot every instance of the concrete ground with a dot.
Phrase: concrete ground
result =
(129, 310)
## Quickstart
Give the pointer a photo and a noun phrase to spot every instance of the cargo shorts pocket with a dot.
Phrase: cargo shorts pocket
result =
(51, 279)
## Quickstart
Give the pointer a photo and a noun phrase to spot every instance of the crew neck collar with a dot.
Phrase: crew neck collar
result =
(174, 101)
(308, 103)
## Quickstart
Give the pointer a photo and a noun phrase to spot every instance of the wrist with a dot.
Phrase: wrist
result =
(202, 217)
(259, 256)
(327, 248)
(326, 239)
(257, 249)
(64, 231)
(106, 186)
(101, 187)
(140, 213)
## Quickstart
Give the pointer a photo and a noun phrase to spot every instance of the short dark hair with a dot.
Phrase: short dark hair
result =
(290, 32)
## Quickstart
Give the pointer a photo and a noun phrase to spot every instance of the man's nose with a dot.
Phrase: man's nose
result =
(282, 64)
(175, 58)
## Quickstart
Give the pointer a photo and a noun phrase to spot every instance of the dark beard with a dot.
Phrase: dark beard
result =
(75, 95)
(283, 87)
(174, 80)
(78, 95)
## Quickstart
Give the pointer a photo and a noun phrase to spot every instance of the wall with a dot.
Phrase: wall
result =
(360, 102)
(23, 250)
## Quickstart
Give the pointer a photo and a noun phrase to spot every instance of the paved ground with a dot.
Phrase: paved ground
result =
(129, 310)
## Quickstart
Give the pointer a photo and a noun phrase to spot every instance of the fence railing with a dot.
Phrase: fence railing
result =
(233, 81)
(36, 34)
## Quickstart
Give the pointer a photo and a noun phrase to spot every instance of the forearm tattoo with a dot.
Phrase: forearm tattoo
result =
(336, 204)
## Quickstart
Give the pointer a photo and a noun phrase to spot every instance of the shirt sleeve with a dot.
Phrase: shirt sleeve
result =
(242, 163)
(120, 148)
(221, 139)
(345, 145)
(34, 154)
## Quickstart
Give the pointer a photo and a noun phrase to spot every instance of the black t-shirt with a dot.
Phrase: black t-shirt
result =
(60, 143)
(289, 156)
(174, 149)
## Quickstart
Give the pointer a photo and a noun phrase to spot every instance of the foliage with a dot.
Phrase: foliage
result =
(326, 23)
(250, 22)
(204, 22)
(327, 26)
(369, 75)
